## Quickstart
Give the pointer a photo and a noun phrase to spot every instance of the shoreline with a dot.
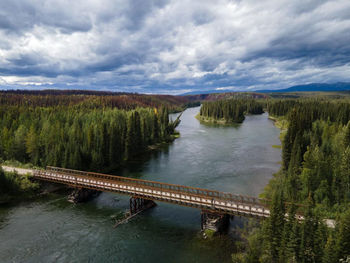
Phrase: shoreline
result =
(280, 123)
(213, 121)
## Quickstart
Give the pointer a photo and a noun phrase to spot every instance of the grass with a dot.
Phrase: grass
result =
(175, 135)
(209, 233)
(212, 121)
(282, 124)
(277, 146)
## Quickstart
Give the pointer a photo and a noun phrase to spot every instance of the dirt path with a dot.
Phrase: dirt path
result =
(18, 170)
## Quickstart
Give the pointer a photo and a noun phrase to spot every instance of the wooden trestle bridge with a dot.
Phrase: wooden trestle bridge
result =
(213, 204)
(204, 199)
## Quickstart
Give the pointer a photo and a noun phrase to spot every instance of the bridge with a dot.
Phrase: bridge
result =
(215, 206)
(204, 199)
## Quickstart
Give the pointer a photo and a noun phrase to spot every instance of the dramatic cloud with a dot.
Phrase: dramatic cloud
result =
(173, 46)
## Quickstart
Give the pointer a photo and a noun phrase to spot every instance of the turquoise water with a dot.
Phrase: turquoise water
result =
(237, 159)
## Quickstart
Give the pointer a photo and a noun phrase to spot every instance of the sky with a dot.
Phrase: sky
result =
(173, 47)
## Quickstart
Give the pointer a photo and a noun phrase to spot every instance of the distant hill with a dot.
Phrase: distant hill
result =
(120, 100)
(340, 86)
(226, 95)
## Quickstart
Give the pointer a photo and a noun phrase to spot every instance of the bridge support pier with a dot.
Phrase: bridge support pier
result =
(82, 194)
(214, 222)
(138, 204)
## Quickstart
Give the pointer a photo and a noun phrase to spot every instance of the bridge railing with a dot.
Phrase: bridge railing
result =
(163, 186)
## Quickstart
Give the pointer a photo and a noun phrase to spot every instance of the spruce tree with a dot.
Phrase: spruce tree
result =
(343, 237)
(330, 252)
(308, 230)
(286, 251)
(276, 223)
(347, 135)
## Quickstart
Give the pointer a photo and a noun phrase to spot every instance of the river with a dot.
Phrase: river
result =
(238, 159)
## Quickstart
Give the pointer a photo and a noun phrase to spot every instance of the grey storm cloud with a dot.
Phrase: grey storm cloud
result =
(173, 46)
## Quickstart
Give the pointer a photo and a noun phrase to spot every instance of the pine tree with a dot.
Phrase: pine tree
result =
(330, 252)
(345, 174)
(286, 251)
(347, 135)
(295, 242)
(19, 143)
(276, 225)
(32, 146)
(343, 237)
(320, 240)
(308, 230)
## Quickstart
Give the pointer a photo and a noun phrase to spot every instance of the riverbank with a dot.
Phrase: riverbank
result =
(281, 123)
(15, 177)
(22, 168)
(159, 146)
(214, 121)
(15, 185)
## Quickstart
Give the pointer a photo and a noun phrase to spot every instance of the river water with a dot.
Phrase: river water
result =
(238, 159)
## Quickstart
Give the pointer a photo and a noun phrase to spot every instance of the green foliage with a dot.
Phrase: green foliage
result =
(316, 174)
(330, 251)
(255, 248)
(343, 237)
(312, 109)
(209, 233)
(80, 137)
(231, 110)
(275, 225)
(12, 185)
(92, 99)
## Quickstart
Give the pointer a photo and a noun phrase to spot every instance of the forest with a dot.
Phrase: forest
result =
(230, 110)
(314, 181)
(99, 132)
(84, 132)
(93, 99)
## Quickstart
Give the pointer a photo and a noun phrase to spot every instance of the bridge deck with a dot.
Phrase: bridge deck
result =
(204, 199)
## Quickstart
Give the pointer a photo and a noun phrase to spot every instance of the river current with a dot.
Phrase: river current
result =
(238, 159)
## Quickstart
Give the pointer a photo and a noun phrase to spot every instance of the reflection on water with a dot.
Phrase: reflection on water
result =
(237, 159)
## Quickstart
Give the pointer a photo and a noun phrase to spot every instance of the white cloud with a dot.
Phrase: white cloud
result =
(159, 46)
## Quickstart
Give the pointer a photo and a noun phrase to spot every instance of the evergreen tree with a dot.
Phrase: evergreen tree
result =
(19, 143)
(343, 237)
(330, 252)
(308, 230)
(287, 250)
(276, 223)
(347, 135)
(32, 145)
